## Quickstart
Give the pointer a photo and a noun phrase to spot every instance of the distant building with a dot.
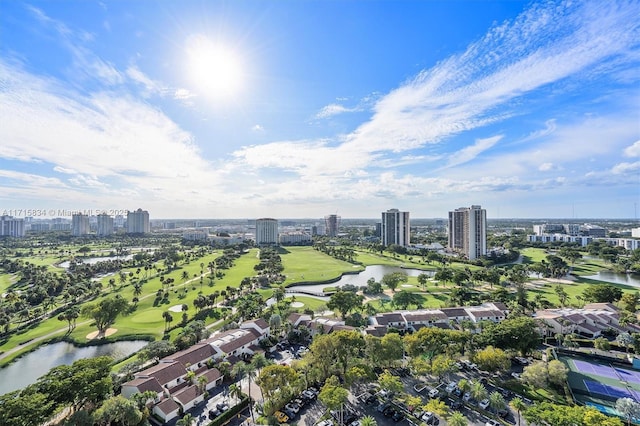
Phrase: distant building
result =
(138, 222)
(468, 231)
(593, 230)
(105, 225)
(195, 235)
(79, 225)
(295, 238)
(395, 228)
(40, 227)
(266, 232)
(332, 223)
(11, 227)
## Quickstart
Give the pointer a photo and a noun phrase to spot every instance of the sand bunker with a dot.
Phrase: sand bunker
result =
(176, 308)
(297, 304)
(97, 335)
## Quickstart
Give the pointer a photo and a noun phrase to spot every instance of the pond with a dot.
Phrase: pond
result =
(94, 260)
(27, 369)
(360, 279)
(616, 278)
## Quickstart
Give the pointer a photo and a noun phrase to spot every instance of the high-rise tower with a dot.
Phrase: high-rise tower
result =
(395, 228)
(468, 231)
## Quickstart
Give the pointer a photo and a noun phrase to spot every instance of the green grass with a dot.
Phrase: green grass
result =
(6, 280)
(305, 264)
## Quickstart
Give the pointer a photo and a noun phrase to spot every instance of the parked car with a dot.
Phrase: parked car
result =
(451, 387)
(222, 407)
(455, 404)
(491, 422)
(457, 392)
(397, 416)
(281, 417)
(466, 397)
(213, 414)
(515, 375)
(325, 423)
(484, 404)
(427, 416)
(293, 407)
(433, 393)
(503, 414)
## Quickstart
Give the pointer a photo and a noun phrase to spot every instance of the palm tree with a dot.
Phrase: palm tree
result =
(186, 420)
(518, 404)
(368, 421)
(496, 401)
(202, 383)
(457, 419)
(478, 391)
(235, 391)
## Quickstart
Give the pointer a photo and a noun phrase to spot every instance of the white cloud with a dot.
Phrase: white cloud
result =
(257, 128)
(545, 167)
(469, 153)
(333, 109)
(633, 150)
(623, 168)
(545, 45)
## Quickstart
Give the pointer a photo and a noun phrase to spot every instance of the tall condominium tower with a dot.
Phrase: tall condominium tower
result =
(332, 222)
(266, 232)
(395, 228)
(79, 224)
(468, 231)
(11, 227)
(105, 225)
(138, 222)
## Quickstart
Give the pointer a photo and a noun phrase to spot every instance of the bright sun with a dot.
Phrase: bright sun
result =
(213, 67)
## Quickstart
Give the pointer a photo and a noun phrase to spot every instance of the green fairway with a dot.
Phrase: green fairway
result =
(305, 264)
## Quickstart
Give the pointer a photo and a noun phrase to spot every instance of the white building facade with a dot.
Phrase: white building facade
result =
(266, 232)
(138, 222)
(468, 231)
(395, 228)
(105, 225)
(80, 225)
(11, 227)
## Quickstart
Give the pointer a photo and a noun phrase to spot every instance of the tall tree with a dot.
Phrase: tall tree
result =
(105, 312)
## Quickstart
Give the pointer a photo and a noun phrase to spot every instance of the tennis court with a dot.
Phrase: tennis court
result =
(607, 371)
(611, 391)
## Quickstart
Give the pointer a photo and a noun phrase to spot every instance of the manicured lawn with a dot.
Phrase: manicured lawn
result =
(305, 264)
(5, 281)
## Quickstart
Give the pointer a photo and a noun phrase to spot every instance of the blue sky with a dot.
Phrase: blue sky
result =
(299, 109)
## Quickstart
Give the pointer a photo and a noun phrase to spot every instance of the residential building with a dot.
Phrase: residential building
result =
(11, 227)
(395, 228)
(79, 225)
(590, 321)
(174, 391)
(295, 238)
(138, 222)
(105, 225)
(451, 318)
(266, 232)
(468, 231)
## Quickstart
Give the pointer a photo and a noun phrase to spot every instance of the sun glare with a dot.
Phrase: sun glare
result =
(213, 67)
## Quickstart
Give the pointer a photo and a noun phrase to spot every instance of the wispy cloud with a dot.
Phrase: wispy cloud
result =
(334, 109)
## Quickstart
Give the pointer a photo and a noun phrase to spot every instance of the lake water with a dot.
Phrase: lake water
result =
(94, 260)
(27, 369)
(360, 279)
(616, 278)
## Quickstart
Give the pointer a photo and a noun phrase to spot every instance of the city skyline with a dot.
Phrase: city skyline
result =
(303, 109)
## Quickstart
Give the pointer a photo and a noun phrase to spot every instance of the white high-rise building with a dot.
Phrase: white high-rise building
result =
(79, 225)
(11, 227)
(266, 232)
(105, 225)
(138, 222)
(468, 231)
(395, 228)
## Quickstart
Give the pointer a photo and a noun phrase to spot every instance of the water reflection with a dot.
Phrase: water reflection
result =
(27, 369)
